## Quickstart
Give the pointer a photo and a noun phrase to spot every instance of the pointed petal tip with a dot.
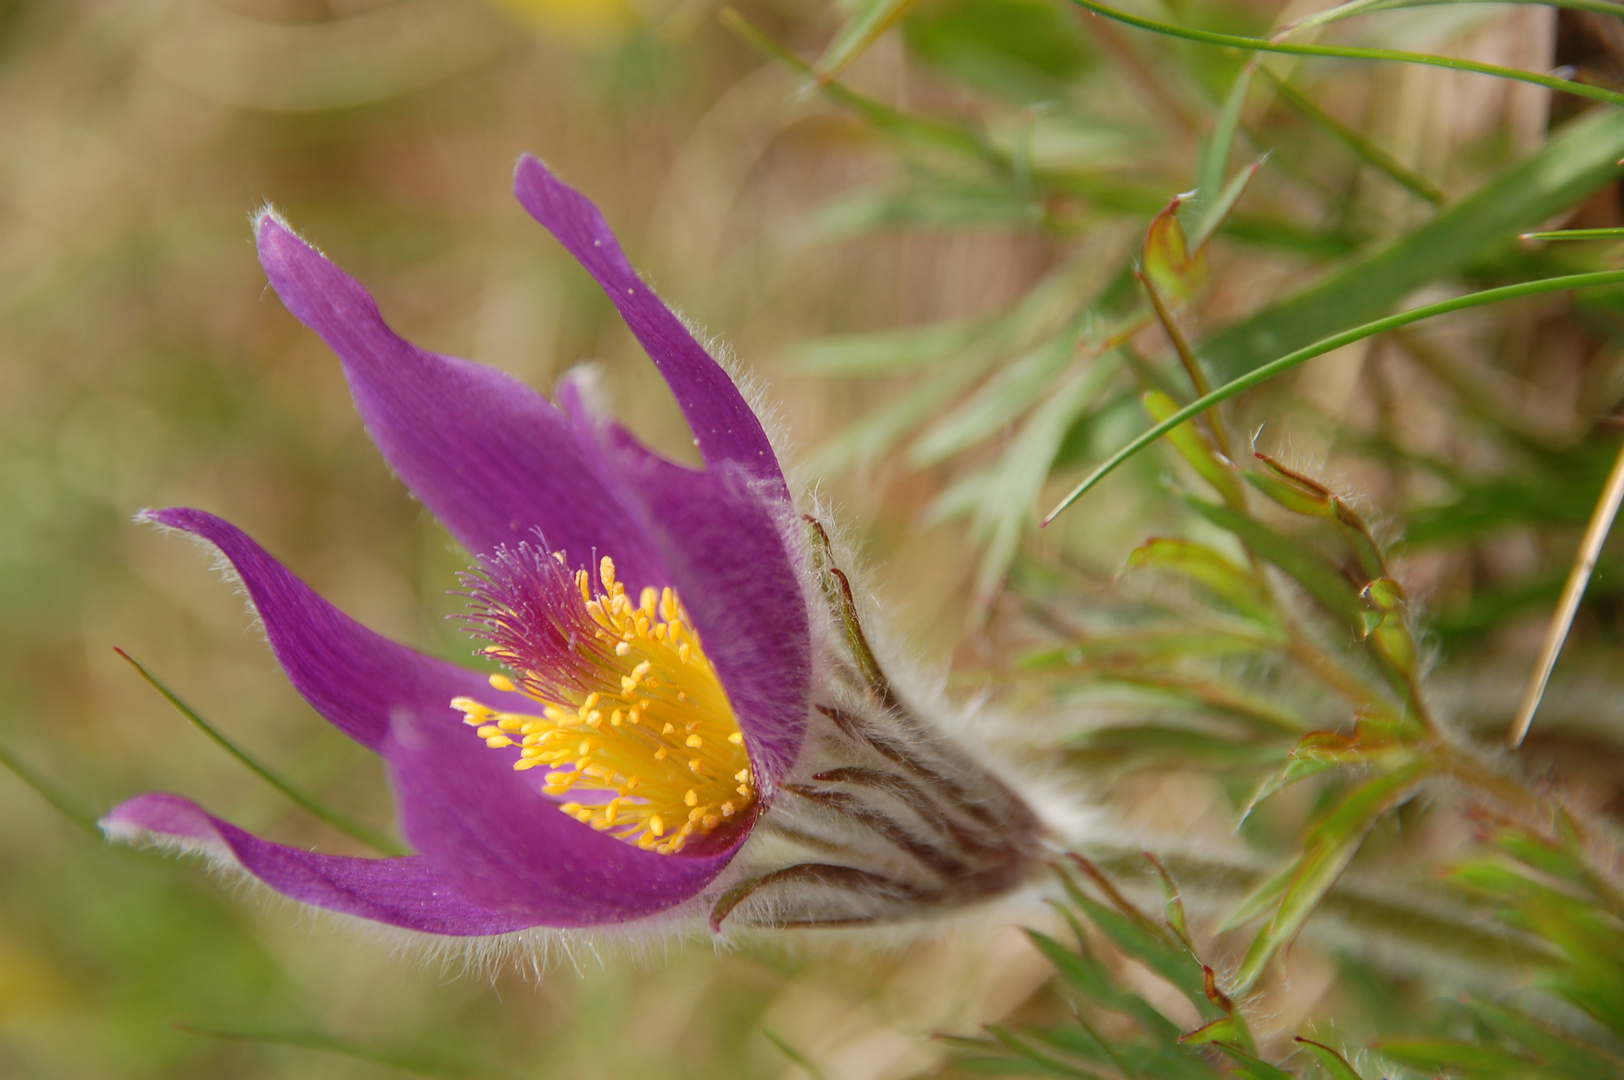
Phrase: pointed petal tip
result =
(528, 165)
(273, 236)
(158, 817)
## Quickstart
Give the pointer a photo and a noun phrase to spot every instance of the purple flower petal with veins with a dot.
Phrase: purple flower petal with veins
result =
(651, 616)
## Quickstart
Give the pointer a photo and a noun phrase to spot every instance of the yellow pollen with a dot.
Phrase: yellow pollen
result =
(648, 676)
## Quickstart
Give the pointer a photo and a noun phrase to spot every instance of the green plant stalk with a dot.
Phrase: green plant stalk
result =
(1370, 7)
(1349, 52)
(1329, 344)
(354, 830)
(1575, 234)
(58, 800)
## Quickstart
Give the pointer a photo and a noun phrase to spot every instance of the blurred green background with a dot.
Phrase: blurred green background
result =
(923, 262)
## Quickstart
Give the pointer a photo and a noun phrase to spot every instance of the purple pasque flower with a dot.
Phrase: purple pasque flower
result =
(684, 665)
(602, 567)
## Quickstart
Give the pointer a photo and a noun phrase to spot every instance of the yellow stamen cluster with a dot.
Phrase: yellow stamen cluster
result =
(654, 735)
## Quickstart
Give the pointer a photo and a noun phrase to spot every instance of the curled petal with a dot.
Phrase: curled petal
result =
(720, 539)
(350, 675)
(405, 892)
(722, 422)
(481, 826)
(489, 457)
(505, 845)
(727, 559)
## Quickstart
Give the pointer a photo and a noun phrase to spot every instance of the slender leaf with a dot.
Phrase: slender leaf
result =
(55, 797)
(1366, 150)
(1577, 159)
(1318, 576)
(1214, 162)
(867, 21)
(1348, 52)
(1334, 1064)
(1285, 363)
(316, 809)
(1226, 579)
(1329, 849)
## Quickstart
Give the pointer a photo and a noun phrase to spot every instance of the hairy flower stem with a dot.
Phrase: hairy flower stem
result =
(903, 821)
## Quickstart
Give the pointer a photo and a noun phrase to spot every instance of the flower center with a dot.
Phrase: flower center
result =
(632, 716)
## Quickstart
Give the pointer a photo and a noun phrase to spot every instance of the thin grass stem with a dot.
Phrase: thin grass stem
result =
(353, 829)
(1367, 151)
(58, 800)
(1349, 52)
(1601, 522)
(1324, 345)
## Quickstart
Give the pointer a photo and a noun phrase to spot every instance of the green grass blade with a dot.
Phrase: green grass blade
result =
(1579, 159)
(868, 20)
(1349, 52)
(1576, 234)
(1214, 163)
(798, 1059)
(58, 800)
(354, 830)
(1218, 211)
(1325, 345)
(1370, 7)
(422, 1060)
(1368, 152)
(883, 117)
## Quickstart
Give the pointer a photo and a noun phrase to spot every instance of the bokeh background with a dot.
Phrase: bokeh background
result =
(144, 363)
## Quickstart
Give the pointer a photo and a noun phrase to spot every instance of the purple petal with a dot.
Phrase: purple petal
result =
(401, 892)
(723, 424)
(486, 454)
(722, 544)
(482, 826)
(350, 675)
(500, 843)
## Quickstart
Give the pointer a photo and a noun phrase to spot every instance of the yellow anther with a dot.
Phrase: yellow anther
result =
(496, 742)
(502, 682)
(645, 671)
